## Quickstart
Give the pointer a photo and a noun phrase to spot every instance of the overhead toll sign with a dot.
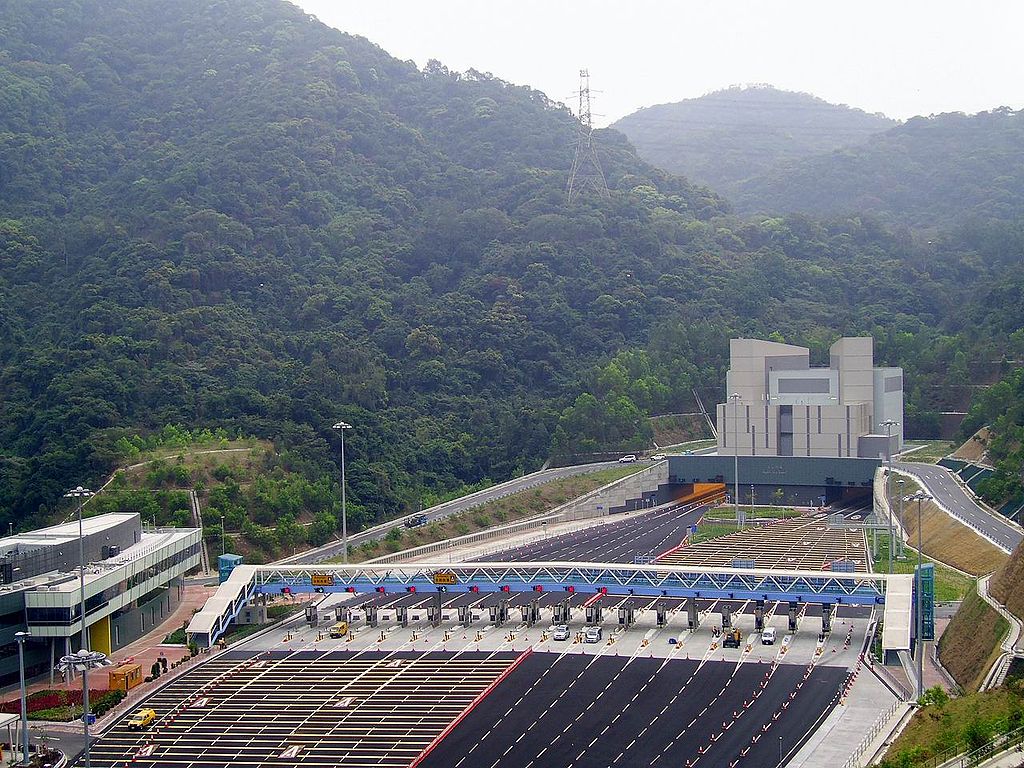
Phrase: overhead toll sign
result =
(445, 578)
(322, 580)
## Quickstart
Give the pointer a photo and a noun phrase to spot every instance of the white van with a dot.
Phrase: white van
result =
(768, 636)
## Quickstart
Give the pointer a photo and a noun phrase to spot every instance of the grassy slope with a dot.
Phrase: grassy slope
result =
(949, 541)
(509, 509)
(971, 641)
(950, 585)
(934, 730)
(1006, 585)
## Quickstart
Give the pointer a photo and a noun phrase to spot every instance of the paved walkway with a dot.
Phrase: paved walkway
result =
(847, 726)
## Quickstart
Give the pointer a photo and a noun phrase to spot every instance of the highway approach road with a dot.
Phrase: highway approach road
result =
(960, 504)
(448, 508)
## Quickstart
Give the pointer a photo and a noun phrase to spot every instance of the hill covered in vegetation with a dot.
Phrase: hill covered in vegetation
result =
(924, 173)
(725, 137)
(232, 217)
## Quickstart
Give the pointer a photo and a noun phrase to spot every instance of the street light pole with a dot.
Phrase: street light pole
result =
(341, 426)
(889, 424)
(81, 494)
(82, 662)
(21, 637)
(919, 497)
(735, 399)
(899, 493)
(223, 538)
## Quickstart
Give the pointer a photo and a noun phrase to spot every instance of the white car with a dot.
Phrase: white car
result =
(658, 457)
(629, 458)
(592, 635)
(768, 636)
(560, 632)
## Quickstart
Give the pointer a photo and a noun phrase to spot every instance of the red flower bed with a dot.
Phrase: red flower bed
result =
(50, 700)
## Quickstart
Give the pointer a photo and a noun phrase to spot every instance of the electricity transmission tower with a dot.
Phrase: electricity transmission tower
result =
(586, 174)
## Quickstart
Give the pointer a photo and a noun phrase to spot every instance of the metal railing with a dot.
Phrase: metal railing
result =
(879, 725)
(1001, 743)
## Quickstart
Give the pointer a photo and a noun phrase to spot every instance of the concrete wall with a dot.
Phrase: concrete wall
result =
(132, 623)
(789, 409)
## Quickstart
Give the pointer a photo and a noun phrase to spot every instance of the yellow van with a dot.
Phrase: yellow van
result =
(141, 719)
(340, 629)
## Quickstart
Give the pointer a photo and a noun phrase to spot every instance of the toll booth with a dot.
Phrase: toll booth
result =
(662, 614)
(562, 612)
(531, 612)
(371, 615)
(726, 617)
(759, 616)
(343, 613)
(434, 615)
(692, 616)
(626, 616)
(465, 617)
(594, 613)
(402, 614)
(312, 615)
(226, 564)
(826, 618)
(499, 613)
(793, 608)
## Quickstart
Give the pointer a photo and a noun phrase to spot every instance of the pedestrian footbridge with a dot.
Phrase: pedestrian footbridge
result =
(893, 591)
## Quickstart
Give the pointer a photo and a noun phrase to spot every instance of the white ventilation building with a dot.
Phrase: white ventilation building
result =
(787, 408)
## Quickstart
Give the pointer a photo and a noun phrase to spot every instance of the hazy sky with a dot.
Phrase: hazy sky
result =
(900, 57)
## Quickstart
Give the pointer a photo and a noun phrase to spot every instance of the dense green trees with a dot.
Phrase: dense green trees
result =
(240, 219)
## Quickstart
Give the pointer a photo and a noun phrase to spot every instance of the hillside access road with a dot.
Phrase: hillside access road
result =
(950, 495)
(449, 508)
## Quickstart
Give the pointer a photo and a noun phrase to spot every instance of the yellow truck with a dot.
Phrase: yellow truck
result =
(340, 629)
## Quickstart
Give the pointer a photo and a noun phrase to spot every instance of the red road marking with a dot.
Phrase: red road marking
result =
(677, 547)
(469, 708)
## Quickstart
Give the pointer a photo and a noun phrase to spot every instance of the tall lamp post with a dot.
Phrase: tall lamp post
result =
(82, 662)
(341, 426)
(919, 497)
(81, 494)
(223, 537)
(889, 424)
(899, 495)
(21, 637)
(735, 398)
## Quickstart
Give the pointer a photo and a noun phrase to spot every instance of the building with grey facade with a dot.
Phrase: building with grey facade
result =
(133, 580)
(778, 405)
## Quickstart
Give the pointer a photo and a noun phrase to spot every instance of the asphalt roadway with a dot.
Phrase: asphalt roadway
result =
(448, 508)
(950, 494)
(572, 710)
(645, 535)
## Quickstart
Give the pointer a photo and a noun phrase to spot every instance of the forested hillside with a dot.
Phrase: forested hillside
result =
(924, 173)
(1002, 408)
(725, 137)
(225, 215)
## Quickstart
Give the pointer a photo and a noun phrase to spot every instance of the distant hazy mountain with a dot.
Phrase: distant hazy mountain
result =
(728, 136)
(923, 173)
